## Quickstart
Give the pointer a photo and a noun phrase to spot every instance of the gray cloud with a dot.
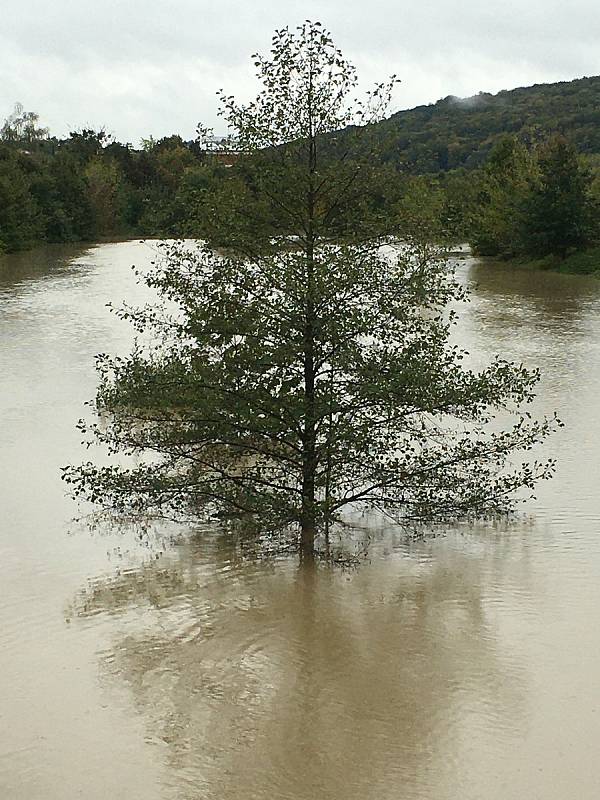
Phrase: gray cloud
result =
(153, 67)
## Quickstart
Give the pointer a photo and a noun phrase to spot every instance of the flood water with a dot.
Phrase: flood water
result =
(464, 667)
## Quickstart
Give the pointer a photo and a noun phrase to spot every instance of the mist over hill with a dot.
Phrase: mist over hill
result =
(460, 132)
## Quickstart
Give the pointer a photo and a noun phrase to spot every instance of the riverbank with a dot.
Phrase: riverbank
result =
(41, 244)
(583, 262)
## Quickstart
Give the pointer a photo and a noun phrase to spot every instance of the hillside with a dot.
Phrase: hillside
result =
(457, 132)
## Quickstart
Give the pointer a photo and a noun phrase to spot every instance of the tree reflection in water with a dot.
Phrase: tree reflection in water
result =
(266, 679)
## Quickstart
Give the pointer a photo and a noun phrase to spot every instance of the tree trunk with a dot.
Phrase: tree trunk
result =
(309, 456)
(307, 541)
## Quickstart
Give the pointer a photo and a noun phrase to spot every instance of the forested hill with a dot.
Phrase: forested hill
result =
(457, 132)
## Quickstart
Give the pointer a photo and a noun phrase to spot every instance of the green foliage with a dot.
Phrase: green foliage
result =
(104, 180)
(421, 210)
(533, 201)
(305, 367)
(461, 132)
(504, 186)
(559, 214)
(89, 186)
(21, 221)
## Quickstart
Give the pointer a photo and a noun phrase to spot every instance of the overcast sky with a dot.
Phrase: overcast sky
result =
(141, 67)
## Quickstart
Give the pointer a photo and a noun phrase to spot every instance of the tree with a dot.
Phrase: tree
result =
(21, 126)
(104, 187)
(559, 213)
(505, 185)
(87, 143)
(306, 367)
(22, 222)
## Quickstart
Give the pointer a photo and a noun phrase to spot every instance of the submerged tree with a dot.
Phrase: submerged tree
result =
(534, 201)
(505, 184)
(305, 367)
(560, 213)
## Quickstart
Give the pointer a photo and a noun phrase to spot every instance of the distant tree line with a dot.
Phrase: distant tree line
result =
(89, 186)
(534, 195)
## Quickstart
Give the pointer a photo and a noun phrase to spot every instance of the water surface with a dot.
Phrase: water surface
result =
(464, 667)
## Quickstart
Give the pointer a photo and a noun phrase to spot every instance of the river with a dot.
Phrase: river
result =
(462, 667)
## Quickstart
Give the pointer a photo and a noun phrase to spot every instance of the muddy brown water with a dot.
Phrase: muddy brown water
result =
(465, 667)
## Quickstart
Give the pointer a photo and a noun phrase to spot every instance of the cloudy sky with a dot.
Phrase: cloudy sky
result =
(141, 67)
